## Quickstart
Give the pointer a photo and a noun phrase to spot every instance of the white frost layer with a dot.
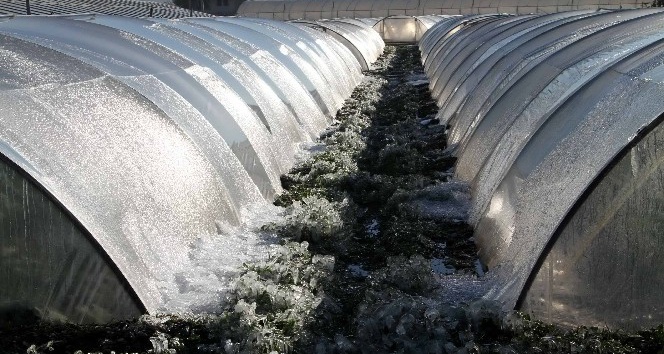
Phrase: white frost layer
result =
(203, 283)
(458, 289)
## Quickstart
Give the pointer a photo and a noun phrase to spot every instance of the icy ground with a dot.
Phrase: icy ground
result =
(203, 285)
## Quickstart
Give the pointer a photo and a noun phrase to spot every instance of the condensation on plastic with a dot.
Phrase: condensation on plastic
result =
(564, 158)
(148, 133)
(226, 78)
(605, 265)
(153, 70)
(42, 249)
(537, 108)
(253, 50)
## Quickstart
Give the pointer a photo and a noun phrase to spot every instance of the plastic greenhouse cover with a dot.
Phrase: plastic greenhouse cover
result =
(370, 46)
(459, 54)
(514, 118)
(454, 43)
(428, 21)
(261, 52)
(367, 21)
(143, 64)
(333, 56)
(348, 38)
(281, 125)
(320, 44)
(21, 61)
(48, 234)
(319, 72)
(562, 159)
(104, 165)
(464, 69)
(398, 28)
(279, 48)
(617, 219)
(439, 34)
(486, 63)
(150, 106)
(365, 44)
(336, 53)
(290, 10)
(449, 44)
(362, 5)
(521, 57)
(431, 37)
(371, 36)
(465, 76)
(521, 60)
(181, 43)
(241, 79)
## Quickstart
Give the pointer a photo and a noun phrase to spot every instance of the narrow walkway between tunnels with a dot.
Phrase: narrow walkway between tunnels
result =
(381, 200)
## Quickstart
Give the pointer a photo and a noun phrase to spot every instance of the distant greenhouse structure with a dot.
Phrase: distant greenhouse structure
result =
(327, 9)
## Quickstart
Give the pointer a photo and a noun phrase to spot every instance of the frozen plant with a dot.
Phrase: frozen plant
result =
(275, 298)
(349, 141)
(313, 219)
(160, 344)
(411, 275)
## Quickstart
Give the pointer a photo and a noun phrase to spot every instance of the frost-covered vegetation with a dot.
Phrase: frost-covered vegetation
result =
(373, 233)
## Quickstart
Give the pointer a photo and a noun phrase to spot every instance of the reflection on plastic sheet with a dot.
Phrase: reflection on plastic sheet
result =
(43, 249)
(605, 266)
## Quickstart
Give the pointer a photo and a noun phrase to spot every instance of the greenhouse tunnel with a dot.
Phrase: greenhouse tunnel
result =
(365, 43)
(556, 122)
(124, 140)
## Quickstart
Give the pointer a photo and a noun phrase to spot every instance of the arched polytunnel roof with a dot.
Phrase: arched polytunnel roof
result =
(556, 120)
(136, 137)
(315, 10)
(358, 21)
(365, 43)
(131, 8)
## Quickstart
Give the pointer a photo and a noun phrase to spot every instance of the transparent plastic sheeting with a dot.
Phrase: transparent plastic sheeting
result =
(546, 114)
(43, 249)
(365, 43)
(404, 29)
(150, 134)
(329, 9)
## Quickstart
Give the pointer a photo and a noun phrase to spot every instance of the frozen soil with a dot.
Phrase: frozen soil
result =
(375, 257)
